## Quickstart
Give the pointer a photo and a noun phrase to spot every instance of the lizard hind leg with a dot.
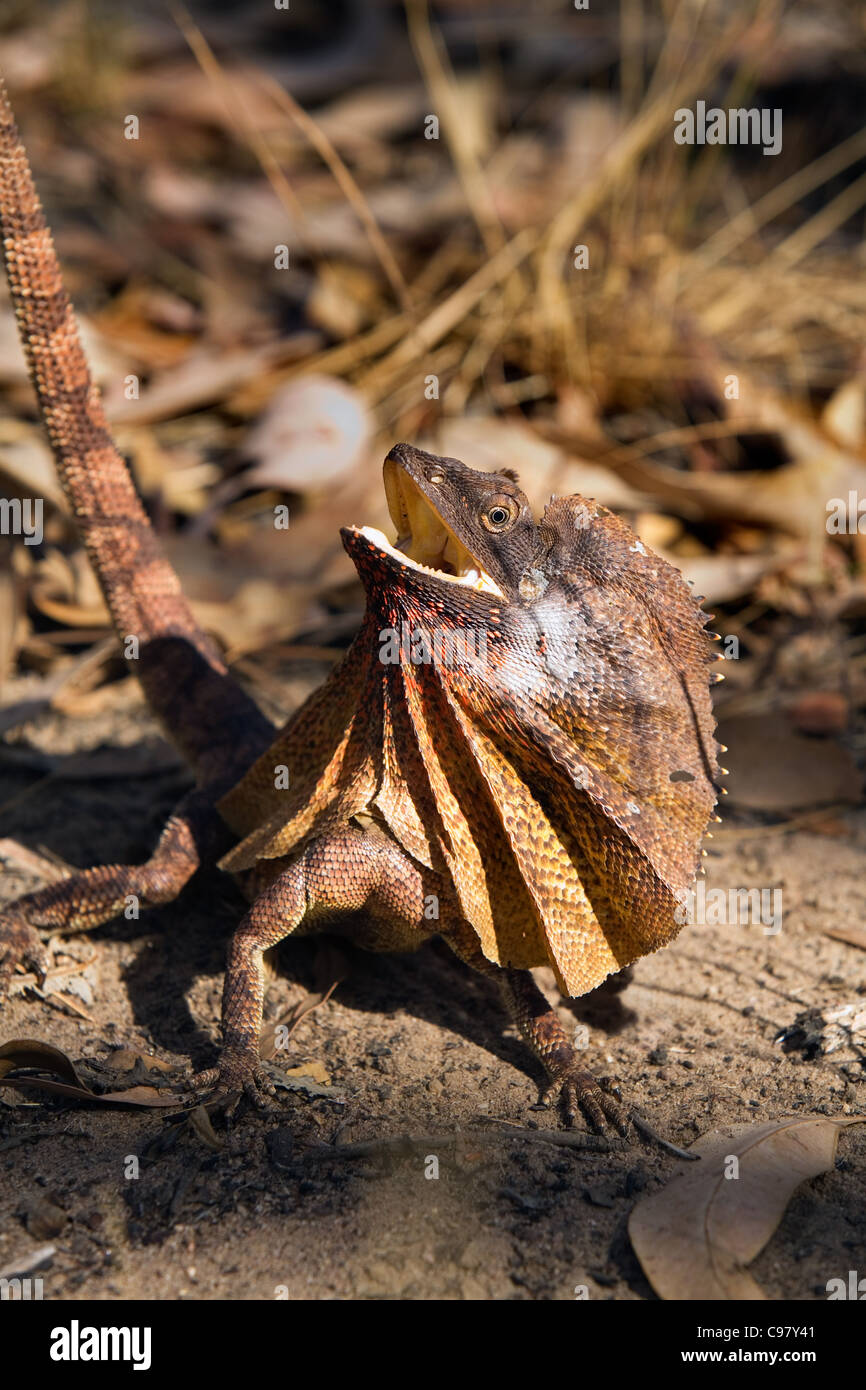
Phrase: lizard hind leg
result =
(548, 1041)
(93, 896)
(568, 1077)
(576, 1088)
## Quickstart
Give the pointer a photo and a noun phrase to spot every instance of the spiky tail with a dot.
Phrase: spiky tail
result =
(185, 679)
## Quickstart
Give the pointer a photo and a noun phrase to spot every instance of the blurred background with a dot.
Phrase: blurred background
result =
(296, 236)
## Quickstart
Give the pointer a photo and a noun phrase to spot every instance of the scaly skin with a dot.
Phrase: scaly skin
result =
(534, 789)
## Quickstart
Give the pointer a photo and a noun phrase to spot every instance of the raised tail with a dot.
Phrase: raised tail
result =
(186, 682)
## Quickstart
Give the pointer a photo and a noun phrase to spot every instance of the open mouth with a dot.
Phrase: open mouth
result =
(423, 541)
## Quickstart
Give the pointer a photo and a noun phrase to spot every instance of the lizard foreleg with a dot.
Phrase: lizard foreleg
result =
(346, 872)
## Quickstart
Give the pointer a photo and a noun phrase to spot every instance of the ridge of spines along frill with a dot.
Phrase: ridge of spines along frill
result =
(715, 677)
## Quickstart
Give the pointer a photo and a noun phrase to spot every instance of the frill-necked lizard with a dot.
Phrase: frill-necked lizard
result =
(517, 752)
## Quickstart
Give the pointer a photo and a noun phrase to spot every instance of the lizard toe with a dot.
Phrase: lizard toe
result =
(202, 1080)
(261, 1092)
(601, 1104)
(580, 1093)
(237, 1074)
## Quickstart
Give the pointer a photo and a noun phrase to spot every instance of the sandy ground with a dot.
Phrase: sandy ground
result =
(410, 1046)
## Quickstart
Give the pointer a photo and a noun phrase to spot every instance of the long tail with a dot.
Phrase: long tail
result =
(185, 679)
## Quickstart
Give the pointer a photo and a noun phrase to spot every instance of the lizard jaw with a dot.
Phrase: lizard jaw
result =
(469, 577)
(424, 542)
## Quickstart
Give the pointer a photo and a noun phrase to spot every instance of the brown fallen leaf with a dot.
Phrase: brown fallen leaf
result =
(852, 934)
(344, 299)
(202, 378)
(332, 968)
(314, 1071)
(844, 415)
(65, 590)
(128, 1059)
(695, 1237)
(312, 434)
(30, 1055)
(13, 622)
(820, 712)
(831, 826)
(721, 578)
(774, 769)
(312, 1078)
(200, 1122)
(26, 464)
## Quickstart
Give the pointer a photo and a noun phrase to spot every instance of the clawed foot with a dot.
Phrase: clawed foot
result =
(580, 1093)
(236, 1074)
(21, 944)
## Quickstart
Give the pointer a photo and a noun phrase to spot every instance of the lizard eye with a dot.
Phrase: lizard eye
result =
(501, 512)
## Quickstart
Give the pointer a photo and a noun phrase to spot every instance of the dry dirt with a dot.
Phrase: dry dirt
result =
(411, 1045)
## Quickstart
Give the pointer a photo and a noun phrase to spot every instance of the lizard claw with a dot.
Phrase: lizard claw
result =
(238, 1073)
(578, 1091)
(601, 1104)
(20, 944)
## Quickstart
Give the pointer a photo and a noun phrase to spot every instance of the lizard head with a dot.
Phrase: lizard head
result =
(455, 526)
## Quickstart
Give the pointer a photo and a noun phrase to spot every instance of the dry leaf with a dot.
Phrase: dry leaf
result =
(26, 462)
(31, 1055)
(200, 1121)
(12, 628)
(258, 221)
(206, 375)
(832, 826)
(820, 712)
(22, 858)
(695, 1237)
(65, 589)
(258, 613)
(344, 299)
(658, 530)
(721, 578)
(127, 1059)
(361, 118)
(331, 966)
(306, 1079)
(315, 1071)
(852, 934)
(844, 415)
(774, 769)
(313, 434)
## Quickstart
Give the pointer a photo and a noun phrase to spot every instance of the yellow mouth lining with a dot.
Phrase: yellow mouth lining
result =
(423, 541)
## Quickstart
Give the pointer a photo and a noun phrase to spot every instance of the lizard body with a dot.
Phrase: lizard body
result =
(517, 752)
